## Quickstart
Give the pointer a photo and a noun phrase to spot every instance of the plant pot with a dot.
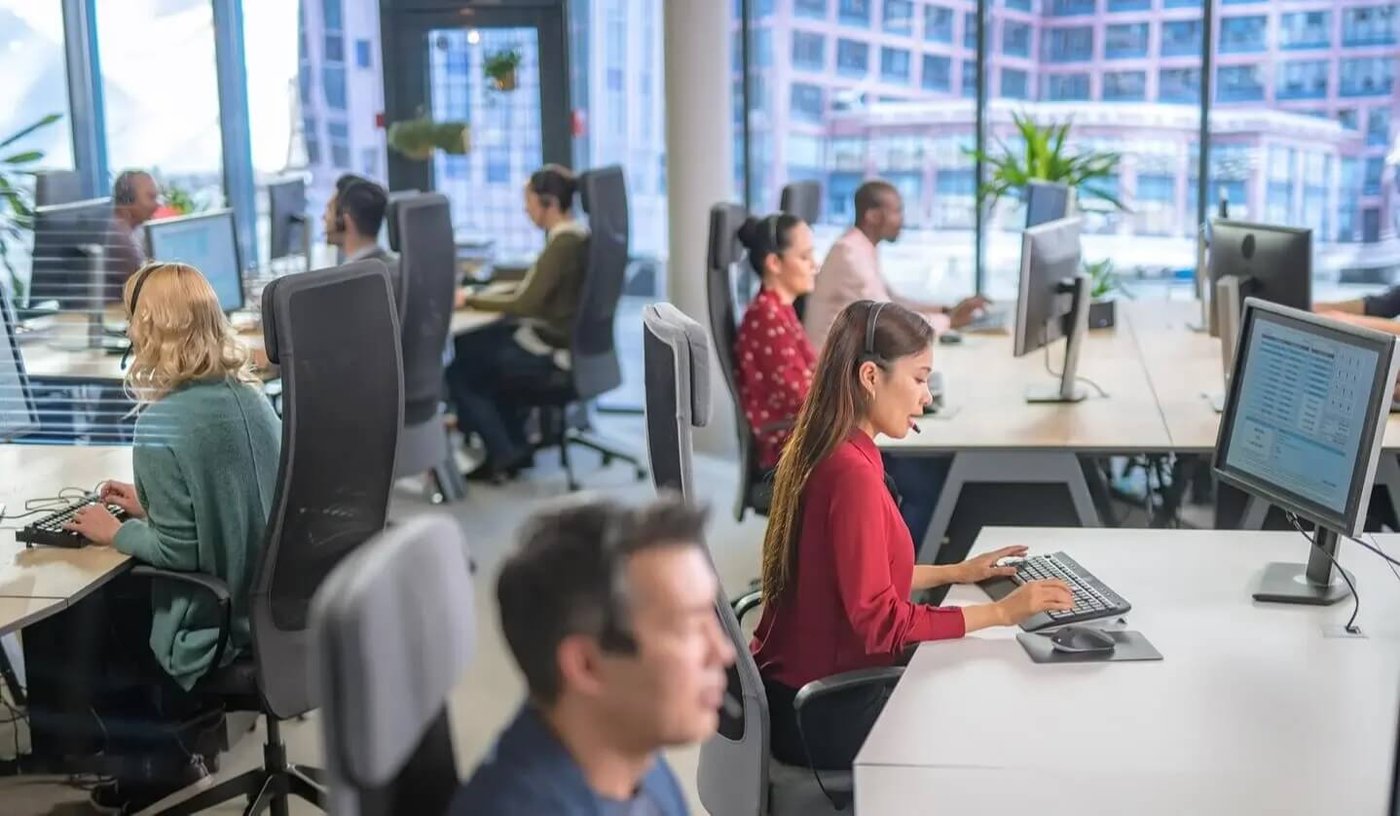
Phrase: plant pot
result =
(506, 82)
(1102, 314)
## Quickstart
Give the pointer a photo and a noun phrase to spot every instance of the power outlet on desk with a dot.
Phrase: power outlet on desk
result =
(1339, 631)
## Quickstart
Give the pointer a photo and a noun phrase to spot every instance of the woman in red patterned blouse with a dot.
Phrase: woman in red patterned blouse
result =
(774, 358)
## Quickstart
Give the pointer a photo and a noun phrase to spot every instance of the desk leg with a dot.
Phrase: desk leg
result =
(1255, 511)
(1007, 467)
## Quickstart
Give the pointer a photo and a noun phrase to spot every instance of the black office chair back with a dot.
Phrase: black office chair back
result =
(733, 772)
(723, 256)
(335, 334)
(802, 199)
(596, 369)
(427, 265)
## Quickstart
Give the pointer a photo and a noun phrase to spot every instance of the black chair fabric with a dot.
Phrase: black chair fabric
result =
(596, 370)
(802, 199)
(427, 265)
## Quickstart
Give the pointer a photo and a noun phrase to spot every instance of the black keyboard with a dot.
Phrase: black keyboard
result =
(1092, 598)
(48, 531)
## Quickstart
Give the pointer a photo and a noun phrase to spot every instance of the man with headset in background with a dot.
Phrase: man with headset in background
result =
(135, 199)
(354, 214)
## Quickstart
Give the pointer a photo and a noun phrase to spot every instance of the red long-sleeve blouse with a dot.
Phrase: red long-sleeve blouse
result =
(848, 606)
(775, 364)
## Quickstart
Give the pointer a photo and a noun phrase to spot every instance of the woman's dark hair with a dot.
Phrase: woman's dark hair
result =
(556, 184)
(762, 237)
(833, 406)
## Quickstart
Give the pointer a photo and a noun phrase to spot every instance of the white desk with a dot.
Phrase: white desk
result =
(1253, 711)
(42, 581)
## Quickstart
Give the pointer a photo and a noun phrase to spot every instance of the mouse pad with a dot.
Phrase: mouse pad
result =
(1130, 646)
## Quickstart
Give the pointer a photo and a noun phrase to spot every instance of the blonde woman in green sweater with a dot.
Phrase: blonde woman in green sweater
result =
(205, 458)
(533, 340)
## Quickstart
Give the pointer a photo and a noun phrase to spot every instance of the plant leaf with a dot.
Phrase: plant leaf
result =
(27, 157)
(42, 123)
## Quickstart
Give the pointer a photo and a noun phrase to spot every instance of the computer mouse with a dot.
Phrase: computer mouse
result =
(1082, 640)
(950, 338)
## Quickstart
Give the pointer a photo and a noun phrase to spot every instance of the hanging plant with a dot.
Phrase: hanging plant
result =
(17, 199)
(419, 138)
(503, 69)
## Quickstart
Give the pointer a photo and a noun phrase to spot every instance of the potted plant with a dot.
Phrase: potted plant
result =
(419, 138)
(1045, 157)
(503, 69)
(1104, 283)
(16, 198)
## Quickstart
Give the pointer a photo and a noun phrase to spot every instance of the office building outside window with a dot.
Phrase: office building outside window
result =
(938, 23)
(898, 17)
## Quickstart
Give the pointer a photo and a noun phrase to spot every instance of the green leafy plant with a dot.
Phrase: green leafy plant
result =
(1046, 157)
(502, 69)
(179, 199)
(418, 138)
(16, 200)
(1104, 280)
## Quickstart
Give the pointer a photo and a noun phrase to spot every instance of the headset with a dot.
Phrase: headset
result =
(141, 275)
(869, 355)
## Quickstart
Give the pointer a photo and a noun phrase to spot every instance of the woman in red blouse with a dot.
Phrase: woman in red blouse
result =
(838, 562)
(774, 358)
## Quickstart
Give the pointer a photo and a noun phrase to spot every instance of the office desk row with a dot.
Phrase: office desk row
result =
(1254, 708)
(46, 358)
(1157, 372)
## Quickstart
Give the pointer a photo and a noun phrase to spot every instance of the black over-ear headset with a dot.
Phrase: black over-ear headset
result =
(870, 355)
(141, 275)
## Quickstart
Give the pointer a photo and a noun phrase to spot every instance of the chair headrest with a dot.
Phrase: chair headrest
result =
(394, 626)
(724, 249)
(279, 292)
(692, 352)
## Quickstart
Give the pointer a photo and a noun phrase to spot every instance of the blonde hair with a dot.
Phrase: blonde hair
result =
(179, 335)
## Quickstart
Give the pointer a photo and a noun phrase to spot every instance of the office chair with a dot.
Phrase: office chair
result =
(737, 775)
(804, 200)
(428, 271)
(335, 334)
(594, 369)
(755, 489)
(394, 629)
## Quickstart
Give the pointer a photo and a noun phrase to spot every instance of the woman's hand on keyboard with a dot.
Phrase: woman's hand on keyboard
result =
(95, 524)
(1033, 598)
(122, 495)
(985, 566)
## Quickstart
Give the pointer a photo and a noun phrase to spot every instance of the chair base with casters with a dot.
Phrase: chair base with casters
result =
(425, 448)
(564, 422)
(267, 789)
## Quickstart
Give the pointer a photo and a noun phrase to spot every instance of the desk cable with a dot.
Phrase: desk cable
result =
(1355, 598)
(1052, 372)
(1376, 548)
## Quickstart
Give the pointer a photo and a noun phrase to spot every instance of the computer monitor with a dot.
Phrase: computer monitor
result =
(1053, 302)
(1046, 201)
(1266, 261)
(17, 414)
(802, 199)
(66, 264)
(288, 228)
(57, 187)
(1302, 429)
(208, 243)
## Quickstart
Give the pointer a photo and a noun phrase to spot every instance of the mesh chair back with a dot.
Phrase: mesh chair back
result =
(428, 267)
(395, 629)
(593, 351)
(335, 334)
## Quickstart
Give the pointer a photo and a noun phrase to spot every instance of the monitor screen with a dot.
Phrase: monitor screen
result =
(17, 415)
(1303, 421)
(207, 243)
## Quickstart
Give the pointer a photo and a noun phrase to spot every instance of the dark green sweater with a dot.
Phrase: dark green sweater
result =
(549, 294)
(205, 459)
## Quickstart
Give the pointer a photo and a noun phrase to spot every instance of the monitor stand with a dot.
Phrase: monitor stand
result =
(1315, 583)
(1076, 325)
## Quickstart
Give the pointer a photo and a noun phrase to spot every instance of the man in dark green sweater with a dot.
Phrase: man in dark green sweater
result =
(535, 342)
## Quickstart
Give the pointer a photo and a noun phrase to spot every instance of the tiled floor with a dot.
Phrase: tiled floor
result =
(491, 689)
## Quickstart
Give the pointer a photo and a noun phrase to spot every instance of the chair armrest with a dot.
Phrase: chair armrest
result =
(210, 584)
(845, 681)
(747, 603)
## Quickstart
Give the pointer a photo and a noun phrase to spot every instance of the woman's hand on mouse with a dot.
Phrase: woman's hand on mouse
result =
(1033, 598)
